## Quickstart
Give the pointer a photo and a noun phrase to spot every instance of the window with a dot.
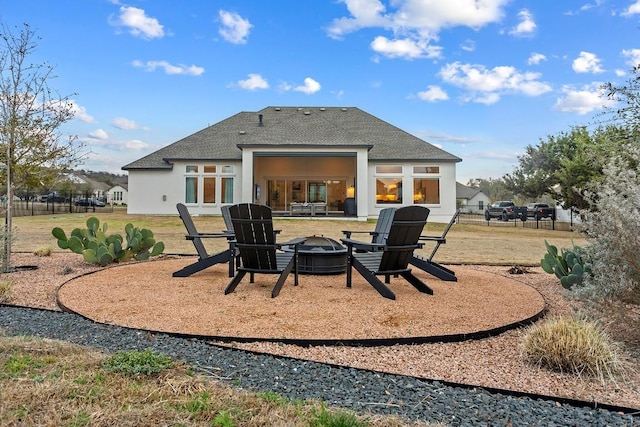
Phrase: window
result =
(209, 184)
(389, 184)
(209, 189)
(426, 191)
(201, 184)
(480, 205)
(426, 169)
(227, 190)
(191, 190)
(395, 169)
(388, 190)
(426, 185)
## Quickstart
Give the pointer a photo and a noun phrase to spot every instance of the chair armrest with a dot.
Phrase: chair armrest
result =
(433, 239)
(348, 233)
(367, 246)
(209, 235)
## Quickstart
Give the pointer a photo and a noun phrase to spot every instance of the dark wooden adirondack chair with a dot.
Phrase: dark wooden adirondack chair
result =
(392, 257)
(259, 252)
(226, 216)
(380, 233)
(430, 266)
(204, 259)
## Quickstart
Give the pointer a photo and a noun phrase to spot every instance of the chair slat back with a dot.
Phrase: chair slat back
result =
(226, 216)
(185, 216)
(383, 225)
(253, 229)
(408, 223)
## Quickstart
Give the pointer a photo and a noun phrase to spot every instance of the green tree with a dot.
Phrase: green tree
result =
(31, 115)
(567, 165)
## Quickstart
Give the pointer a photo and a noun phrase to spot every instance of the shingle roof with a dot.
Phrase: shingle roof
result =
(296, 127)
(465, 192)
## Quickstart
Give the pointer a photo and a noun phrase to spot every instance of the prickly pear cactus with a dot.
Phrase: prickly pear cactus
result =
(569, 265)
(97, 247)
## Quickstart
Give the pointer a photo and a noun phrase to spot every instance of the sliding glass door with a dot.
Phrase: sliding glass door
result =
(282, 192)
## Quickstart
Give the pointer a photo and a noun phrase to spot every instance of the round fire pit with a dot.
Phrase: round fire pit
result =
(320, 255)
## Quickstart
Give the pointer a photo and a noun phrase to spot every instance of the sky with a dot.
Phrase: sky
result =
(481, 79)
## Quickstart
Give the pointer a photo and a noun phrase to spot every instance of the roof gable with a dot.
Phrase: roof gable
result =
(298, 127)
(465, 192)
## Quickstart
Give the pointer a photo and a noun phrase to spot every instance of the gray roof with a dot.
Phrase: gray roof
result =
(464, 192)
(297, 127)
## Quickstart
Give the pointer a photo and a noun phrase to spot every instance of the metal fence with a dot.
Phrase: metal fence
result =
(36, 207)
(564, 220)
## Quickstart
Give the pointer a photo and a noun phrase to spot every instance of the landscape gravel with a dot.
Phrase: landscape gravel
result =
(355, 389)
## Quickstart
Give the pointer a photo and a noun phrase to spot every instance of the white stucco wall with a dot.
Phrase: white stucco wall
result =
(156, 192)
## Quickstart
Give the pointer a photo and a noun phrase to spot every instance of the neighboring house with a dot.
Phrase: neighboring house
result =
(97, 189)
(471, 200)
(118, 194)
(344, 158)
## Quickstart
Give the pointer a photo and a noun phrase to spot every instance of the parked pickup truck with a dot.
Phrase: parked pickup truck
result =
(540, 210)
(505, 210)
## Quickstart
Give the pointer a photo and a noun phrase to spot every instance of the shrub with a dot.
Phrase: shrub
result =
(135, 362)
(574, 345)
(5, 290)
(613, 231)
(99, 248)
(43, 251)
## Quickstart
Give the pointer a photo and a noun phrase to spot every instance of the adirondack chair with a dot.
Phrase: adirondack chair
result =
(390, 258)
(205, 260)
(226, 216)
(259, 252)
(427, 264)
(379, 234)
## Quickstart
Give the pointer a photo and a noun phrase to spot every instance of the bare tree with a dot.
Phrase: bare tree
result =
(31, 115)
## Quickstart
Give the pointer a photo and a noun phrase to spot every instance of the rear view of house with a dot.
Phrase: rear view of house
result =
(298, 161)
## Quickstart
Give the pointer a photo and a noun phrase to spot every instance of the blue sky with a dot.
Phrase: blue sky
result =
(480, 79)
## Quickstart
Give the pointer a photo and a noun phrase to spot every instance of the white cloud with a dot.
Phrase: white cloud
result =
(99, 134)
(536, 58)
(582, 101)
(310, 86)
(587, 62)
(432, 16)
(469, 46)
(125, 124)
(365, 13)
(418, 21)
(99, 140)
(235, 29)
(526, 25)
(168, 68)
(80, 113)
(254, 82)
(633, 9)
(487, 85)
(620, 73)
(138, 23)
(433, 94)
(633, 56)
(585, 7)
(404, 48)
